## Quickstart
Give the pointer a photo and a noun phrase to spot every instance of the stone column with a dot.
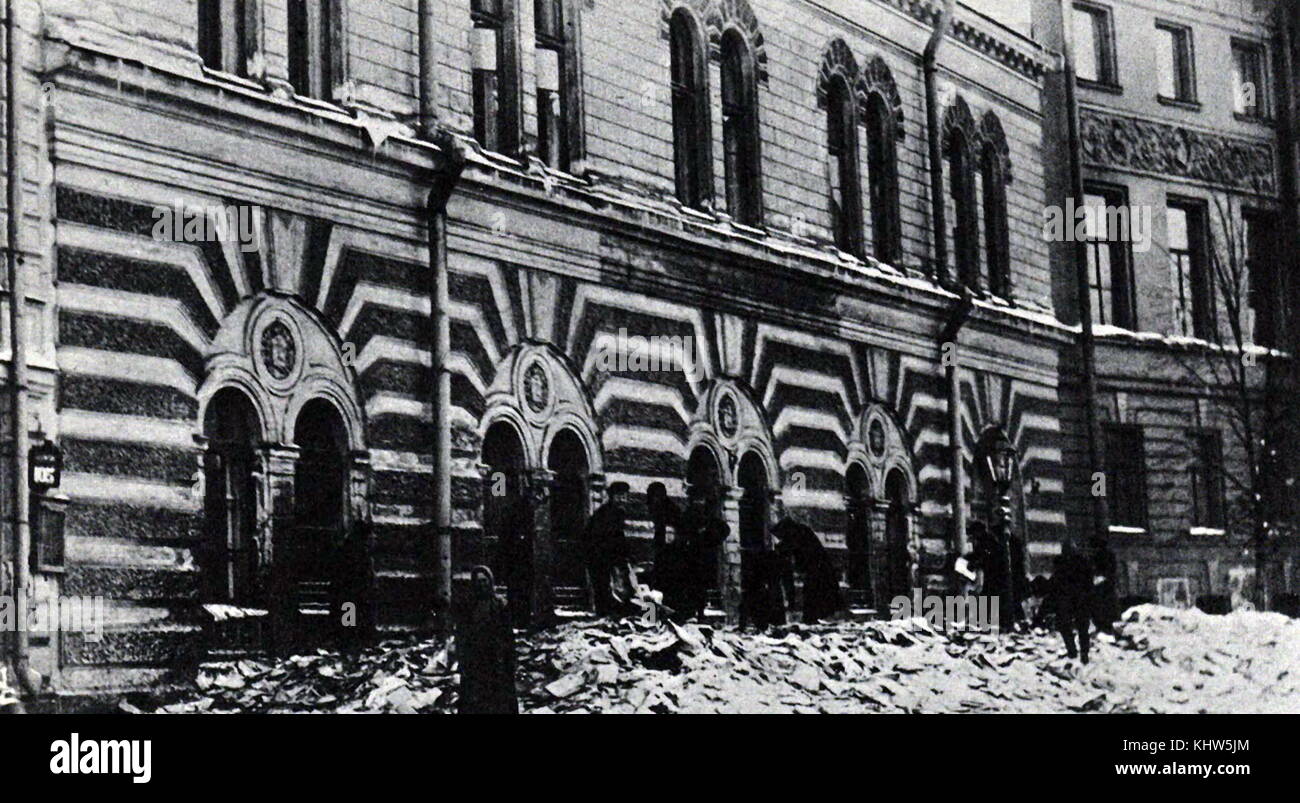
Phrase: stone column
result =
(729, 562)
(276, 568)
(538, 495)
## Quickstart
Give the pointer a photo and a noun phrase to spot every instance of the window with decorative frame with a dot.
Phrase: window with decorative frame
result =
(692, 140)
(882, 179)
(842, 166)
(317, 47)
(740, 131)
(227, 34)
(495, 75)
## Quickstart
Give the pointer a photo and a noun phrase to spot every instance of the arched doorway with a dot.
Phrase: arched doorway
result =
(230, 554)
(704, 478)
(320, 511)
(857, 536)
(754, 505)
(506, 520)
(898, 535)
(570, 503)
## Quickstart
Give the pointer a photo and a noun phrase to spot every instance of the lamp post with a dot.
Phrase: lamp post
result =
(1001, 458)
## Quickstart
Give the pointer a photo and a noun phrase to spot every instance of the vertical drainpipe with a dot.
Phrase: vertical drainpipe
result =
(443, 186)
(1087, 340)
(931, 63)
(958, 316)
(17, 351)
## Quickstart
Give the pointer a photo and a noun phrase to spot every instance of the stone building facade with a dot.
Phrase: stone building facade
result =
(745, 181)
(1187, 120)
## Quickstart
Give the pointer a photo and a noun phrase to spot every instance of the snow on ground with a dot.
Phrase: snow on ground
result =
(1161, 660)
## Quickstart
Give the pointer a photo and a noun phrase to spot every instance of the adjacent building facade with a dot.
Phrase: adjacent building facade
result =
(685, 241)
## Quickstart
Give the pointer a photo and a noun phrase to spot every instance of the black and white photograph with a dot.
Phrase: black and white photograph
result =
(504, 357)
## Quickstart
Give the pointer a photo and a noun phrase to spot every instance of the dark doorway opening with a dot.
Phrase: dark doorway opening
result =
(857, 537)
(230, 558)
(703, 476)
(570, 508)
(320, 516)
(507, 521)
(754, 505)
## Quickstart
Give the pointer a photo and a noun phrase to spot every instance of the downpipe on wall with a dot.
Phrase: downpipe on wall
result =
(443, 187)
(960, 312)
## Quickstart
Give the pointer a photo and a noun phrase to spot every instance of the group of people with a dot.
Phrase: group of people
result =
(1079, 594)
(685, 565)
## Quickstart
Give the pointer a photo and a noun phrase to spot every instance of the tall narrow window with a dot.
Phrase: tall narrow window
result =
(1265, 297)
(559, 132)
(842, 165)
(965, 234)
(1094, 44)
(1206, 479)
(692, 154)
(317, 48)
(1193, 287)
(494, 54)
(994, 175)
(1126, 476)
(740, 136)
(1110, 280)
(1175, 75)
(224, 29)
(1250, 79)
(882, 175)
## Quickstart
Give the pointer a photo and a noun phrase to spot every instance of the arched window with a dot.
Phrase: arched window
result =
(226, 29)
(959, 148)
(494, 56)
(740, 135)
(882, 176)
(559, 90)
(692, 151)
(317, 47)
(995, 174)
(845, 182)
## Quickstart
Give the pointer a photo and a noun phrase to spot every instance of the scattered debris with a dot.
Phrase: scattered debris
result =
(1161, 660)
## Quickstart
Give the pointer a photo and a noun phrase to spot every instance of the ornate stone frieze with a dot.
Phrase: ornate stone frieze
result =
(1128, 143)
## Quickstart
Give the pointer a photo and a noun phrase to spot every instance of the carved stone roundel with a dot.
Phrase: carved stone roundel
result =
(537, 387)
(728, 419)
(279, 350)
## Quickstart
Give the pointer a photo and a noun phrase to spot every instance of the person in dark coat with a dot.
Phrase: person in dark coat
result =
(514, 561)
(702, 535)
(669, 556)
(807, 555)
(486, 651)
(607, 548)
(1105, 604)
(1072, 597)
(991, 556)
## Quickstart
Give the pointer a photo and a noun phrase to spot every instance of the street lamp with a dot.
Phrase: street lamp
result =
(1001, 459)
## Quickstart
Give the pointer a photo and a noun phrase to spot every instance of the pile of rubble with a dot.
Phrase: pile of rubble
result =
(401, 677)
(1161, 660)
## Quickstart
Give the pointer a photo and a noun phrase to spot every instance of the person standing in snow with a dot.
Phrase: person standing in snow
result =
(702, 534)
(806, 555)
(1072, 597)
(607, 548)
(1105, 604)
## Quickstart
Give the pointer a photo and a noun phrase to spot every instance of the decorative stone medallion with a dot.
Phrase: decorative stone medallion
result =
(876, 438)
(279, 352)
(728, 418)
(537, 388)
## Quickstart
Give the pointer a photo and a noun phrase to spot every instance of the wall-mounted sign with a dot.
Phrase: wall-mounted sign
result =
(44, 466)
